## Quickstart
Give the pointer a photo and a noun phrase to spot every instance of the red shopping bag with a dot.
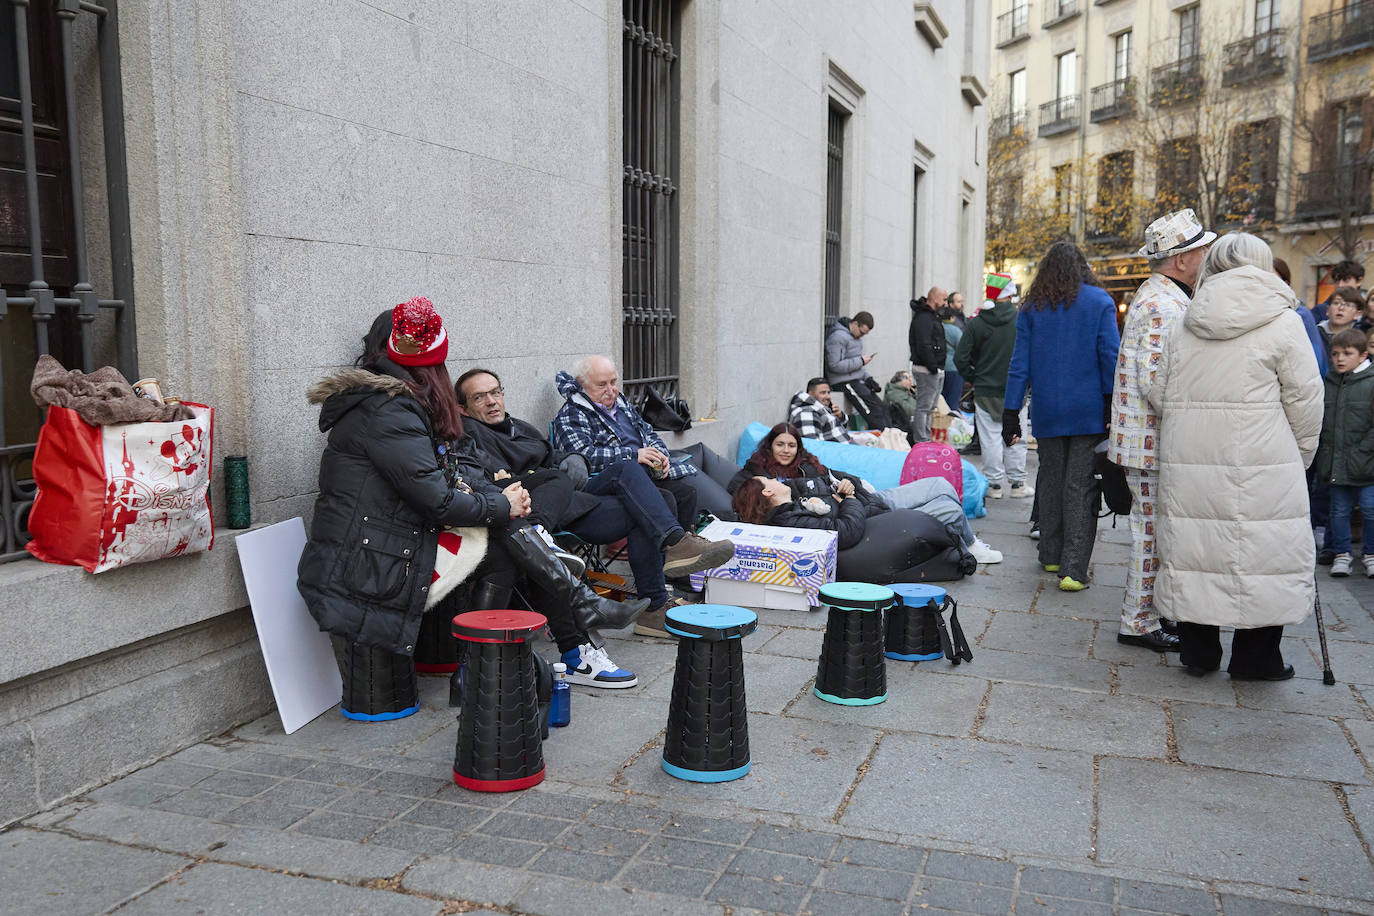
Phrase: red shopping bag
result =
(111, 496)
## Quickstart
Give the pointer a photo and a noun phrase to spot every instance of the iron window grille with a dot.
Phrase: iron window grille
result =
(51, 304)
(649, 292)
(834, 208)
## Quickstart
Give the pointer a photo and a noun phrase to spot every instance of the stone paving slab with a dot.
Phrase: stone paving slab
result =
(915, 703)
(227, 889)
(1165, 679)
(48, 873)
(1288, 744)
(1027, 668)
(1073, 720)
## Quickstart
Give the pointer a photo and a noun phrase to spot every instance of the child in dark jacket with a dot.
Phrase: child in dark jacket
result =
(1345, 454)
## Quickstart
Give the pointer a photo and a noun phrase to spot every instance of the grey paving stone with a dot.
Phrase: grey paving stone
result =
(715, 829)
(549, 896)
(1282, 744)
(1073, 720)
(1040, 633)
(873, 882)
(269, 764)
(137, 793)
(771, 896)
(176, 773)
(373, 804)
(1351, 662)
(323, 858)
(797, 842)
(628, 817)
(1164, 898)
(414, 838)
(95, 876)
(1024, 668)
(1061, 883)
(1050, 791)
(337, 774)
(196, 803)
(214, 889)
(667, 879)
(214, 755)
(1169, 682)
(961, 896)
(1300, 695)
(1251, 906)
(456, 794)
(338, 738)
(139, 827)
(453, 878)
(398, 783)
(258, 813)
(795, 643)
(337, 826)
(771, 681)
(245, 785)
(686, 853)
(522, 827)
(304, 794)
(611, 841)
(911, 704)
(825, 903)
(892, 856)
(1361, 801)
(575, 863)
(443, 814)
(552, 803)
(1216, 829)
(978, 869)
(800, 766)
(495, 850)
(624, 724)
(1060, 906)
(773, 866)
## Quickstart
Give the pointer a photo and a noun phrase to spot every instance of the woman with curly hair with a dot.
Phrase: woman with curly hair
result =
(782, 458)
(1065, 352)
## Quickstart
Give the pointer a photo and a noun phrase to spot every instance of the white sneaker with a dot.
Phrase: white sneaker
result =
(1340, 567)
(590, 666)
(1368, 566)
(995, 491)
(1022, 490)
(983, 553)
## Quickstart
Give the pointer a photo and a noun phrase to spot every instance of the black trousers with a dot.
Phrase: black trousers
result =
(1254, 652)
(681, 498)
(1066, 503)
(868, 403)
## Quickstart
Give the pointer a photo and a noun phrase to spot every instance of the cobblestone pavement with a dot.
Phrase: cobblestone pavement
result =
(1059, 772)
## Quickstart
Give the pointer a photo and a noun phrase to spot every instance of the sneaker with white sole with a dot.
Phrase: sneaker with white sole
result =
(1368, 566)
(590, 666)
(995, 491)
(1022, 490)
(983, 553)
(1340, 567)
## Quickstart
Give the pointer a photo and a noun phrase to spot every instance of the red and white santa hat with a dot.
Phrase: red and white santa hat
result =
(417, 334)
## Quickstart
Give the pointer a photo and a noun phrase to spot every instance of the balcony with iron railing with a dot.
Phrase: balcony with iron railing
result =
(1334, 193)
(1060, 11)
(1180, 81)
(1011, 125)
(1013, 26)
(1060, 116)
(1342, 31)
(1255, 58)
(1250, 207)
(1112, 100)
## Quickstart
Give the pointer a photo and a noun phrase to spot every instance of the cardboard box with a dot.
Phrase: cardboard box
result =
(772, 567)
(939, 427)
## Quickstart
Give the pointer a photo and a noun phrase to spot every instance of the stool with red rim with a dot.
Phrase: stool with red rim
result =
(499, 747)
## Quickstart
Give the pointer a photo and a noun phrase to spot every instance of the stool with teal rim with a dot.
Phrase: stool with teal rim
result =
(499, 726)
(851, 670)
(916, 630)
(708, 727)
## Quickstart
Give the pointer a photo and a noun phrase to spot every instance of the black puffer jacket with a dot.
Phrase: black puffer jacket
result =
(847, 517)
(925, 337)
(366, 568)
(810, 481)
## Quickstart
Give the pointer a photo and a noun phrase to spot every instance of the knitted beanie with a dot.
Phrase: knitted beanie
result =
(417, 334)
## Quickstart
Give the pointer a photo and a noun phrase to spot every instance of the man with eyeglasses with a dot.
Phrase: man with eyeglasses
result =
(622, 500)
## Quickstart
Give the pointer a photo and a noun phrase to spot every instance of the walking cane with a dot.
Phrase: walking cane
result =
(1327, 677)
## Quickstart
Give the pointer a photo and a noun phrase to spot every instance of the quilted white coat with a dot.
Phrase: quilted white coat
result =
(1240, 401)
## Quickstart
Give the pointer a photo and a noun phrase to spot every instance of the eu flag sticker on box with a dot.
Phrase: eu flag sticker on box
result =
(783, 567)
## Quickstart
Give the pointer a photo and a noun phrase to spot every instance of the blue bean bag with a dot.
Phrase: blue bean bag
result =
(879, 466)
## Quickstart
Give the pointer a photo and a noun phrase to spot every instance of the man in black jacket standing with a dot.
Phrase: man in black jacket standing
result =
(926, 338)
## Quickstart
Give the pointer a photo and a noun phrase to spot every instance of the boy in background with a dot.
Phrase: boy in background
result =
(1345, 454)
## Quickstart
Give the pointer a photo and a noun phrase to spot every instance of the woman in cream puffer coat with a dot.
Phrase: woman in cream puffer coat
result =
(1240, 400)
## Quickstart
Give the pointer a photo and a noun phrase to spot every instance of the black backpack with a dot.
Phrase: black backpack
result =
(1110, 480)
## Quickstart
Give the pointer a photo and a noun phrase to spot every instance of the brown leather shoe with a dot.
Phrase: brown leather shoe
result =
(694, 553)
(655, 622)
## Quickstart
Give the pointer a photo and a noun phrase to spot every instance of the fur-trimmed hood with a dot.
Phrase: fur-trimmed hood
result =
(347, 388)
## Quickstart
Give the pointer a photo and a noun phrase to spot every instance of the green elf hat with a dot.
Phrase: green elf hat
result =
(1000, 286)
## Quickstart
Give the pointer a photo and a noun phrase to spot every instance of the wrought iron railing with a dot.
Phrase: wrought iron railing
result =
(1255, 58)
(1180, 81)
(649, 291)
(1341, 31)
(1112, 100)
(1061, 115)
(1011, 124)
(1333, 193)
(66, 310)
(1057, 11)
(1013, 26)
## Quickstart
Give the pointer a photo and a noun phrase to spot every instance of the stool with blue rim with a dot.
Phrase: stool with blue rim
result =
(851, 670)
(499, 724)
(378, 685)
(708, 728)
(916, 630)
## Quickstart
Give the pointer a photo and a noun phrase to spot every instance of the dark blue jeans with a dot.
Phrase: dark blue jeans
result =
(635, 509)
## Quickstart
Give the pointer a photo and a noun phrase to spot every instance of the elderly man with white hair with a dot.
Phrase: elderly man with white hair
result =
(597, 423)
(1175, 245)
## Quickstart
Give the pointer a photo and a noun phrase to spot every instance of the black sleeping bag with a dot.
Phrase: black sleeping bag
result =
(905, 545)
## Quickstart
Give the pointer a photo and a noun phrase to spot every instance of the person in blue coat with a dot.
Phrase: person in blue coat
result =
(1065, 351)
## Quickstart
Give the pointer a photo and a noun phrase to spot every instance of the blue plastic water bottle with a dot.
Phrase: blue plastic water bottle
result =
(560, 706)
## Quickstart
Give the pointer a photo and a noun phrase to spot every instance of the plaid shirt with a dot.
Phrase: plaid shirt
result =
(582, 427)
(815, 420)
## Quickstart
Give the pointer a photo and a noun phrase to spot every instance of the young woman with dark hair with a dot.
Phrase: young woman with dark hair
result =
(1065, 352)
